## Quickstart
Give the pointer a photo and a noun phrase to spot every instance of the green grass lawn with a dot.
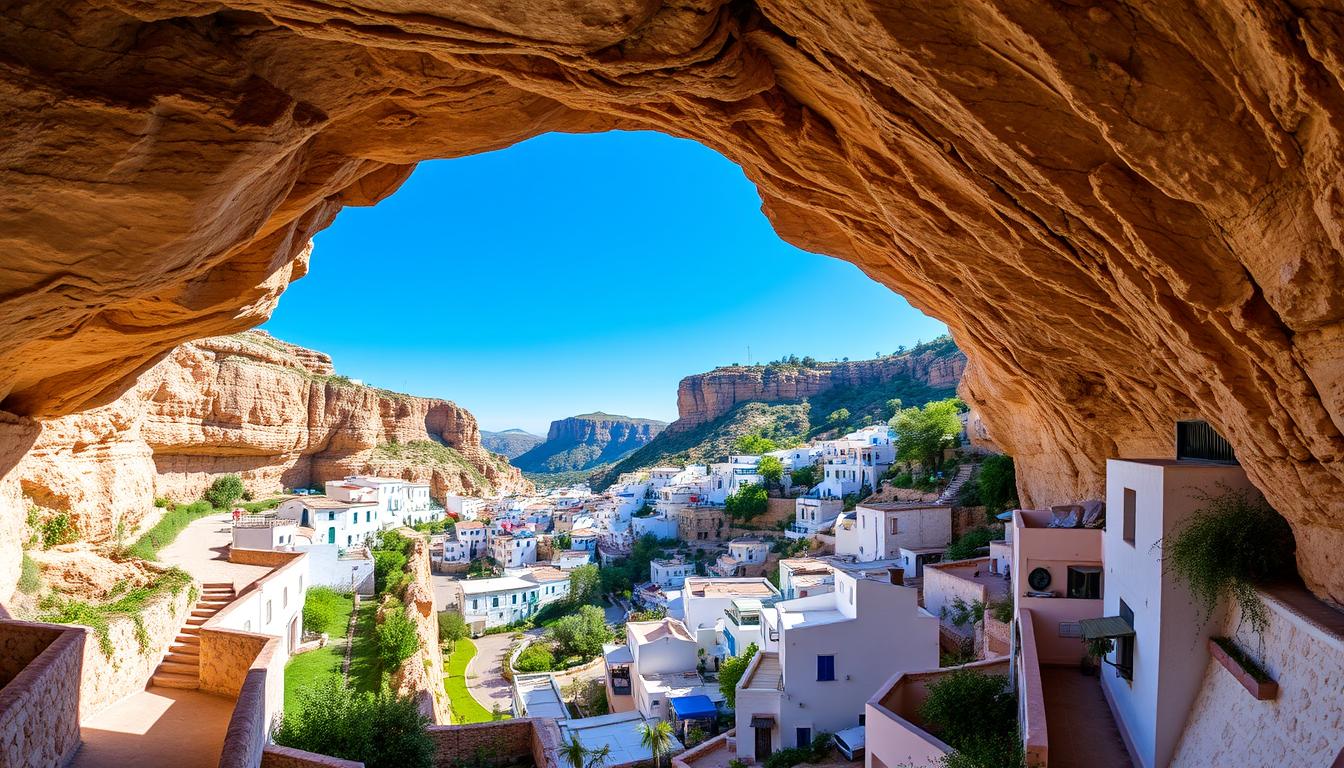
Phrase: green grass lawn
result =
(366, 671)
(465, 708)
(307, 670)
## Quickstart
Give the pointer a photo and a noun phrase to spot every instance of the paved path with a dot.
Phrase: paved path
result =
(484, 679)
(202, 549)
(156, 728)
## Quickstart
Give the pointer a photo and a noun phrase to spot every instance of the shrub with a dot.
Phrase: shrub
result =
(380, 730)
(791, 756)
(1233, 543)
(996, 484)
(30, 576)
(224, 491)
(754, 444)
(974, 714)
(582, 633)
(1002, 610)
(395, 635)
(535, 658)
(970, 544)
(322, 609)
(731, 671)
(161, 502)
(749, 502)
(386, 564)
(58, 529)
(806, 476)
(452, 627)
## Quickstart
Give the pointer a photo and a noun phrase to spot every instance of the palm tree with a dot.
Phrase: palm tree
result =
(657, 738)
(578, 756)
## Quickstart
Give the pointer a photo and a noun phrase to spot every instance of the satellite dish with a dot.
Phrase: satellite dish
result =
(1039, 579)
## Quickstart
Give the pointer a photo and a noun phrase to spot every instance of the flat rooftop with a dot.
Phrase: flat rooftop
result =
(619, 731)
(902, 506)
(977, 571)
(538, 696)
(326, 502)
(698, 586)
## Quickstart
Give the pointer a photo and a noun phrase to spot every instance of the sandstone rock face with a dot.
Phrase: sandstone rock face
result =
(704, 397)
(249, 404)
(1127, 214)
(589, 440)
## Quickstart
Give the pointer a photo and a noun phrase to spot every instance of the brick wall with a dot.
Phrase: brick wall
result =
(501, 742)
(39, 704)
(276, 756)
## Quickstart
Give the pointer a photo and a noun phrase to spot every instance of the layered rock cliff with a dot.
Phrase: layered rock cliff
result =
(589, 440)
(704, 397)
(1127, 213)
(271, 412)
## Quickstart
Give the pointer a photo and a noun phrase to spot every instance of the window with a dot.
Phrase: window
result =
(1131, 505)
(894, 526)
(494, 602)
(268, 611)
(1124, 647)
(825, 668)
(474, 605)
(804, 737)
(514, 600)
(1084, 582)
(284, 598)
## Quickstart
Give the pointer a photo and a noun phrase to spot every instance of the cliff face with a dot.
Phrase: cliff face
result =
(1126, 213)
(704, 397)
(587, 441)
(249, 404)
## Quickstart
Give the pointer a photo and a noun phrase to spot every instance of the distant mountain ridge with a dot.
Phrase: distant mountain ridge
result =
(588, 441)
(792, 402)
(511, 443)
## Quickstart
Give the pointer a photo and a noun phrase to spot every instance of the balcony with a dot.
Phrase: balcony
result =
(895, 733)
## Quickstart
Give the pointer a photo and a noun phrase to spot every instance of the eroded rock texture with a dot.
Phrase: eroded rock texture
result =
(704, 397)
(1127, 213)
(249, 404)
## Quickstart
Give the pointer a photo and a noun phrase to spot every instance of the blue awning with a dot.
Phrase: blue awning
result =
(697, 707)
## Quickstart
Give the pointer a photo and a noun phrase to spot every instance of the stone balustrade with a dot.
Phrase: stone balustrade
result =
(40, 667)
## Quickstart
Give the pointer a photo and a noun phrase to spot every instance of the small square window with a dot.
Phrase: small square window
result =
(825, 668)
(1084, 582)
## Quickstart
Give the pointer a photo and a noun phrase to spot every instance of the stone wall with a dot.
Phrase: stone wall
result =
(276, 756)
(421, 675)
(1304, 653)
(260, 697)
(502, 742)
(39, 703)
(110, 678)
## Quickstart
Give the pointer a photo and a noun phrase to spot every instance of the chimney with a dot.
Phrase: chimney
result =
(897, 576)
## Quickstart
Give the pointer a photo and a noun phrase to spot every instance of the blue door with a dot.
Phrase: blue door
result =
(804, 737)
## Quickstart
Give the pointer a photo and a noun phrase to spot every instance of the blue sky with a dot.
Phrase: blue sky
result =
(574, 273)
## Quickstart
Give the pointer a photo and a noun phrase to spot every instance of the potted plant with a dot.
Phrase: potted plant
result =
(1094, 655)
(1242, 667)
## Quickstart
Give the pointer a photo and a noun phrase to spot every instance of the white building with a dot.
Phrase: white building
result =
(256, 532)
(514, 551)
(724, 614)
(882, 531)
(1155, 673)
(811, 514)
(670, 573)
(497, 602)
(805, 576)
(824, 656)
(389, 492)
(570, 559)
(420, 507)
(465, 507)
(663, 665)
(661, 525)
(344, 523)
(473, 536)
(743, 553)
(553, 583)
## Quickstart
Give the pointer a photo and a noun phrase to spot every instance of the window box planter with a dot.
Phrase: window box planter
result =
(1251, 677)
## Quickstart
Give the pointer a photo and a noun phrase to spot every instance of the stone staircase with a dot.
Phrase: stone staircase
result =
(953, 489)
(181, 667)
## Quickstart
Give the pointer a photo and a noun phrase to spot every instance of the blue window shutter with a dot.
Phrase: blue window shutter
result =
(825, 668)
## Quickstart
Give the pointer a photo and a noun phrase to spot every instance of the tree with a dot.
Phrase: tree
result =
(657, 738)
(754, 444)
(969, 544)
(731, 671)
(452, 627)
(581, 633)
(224, 491)
(771, 470)
(576, 755)
(396, 636)
(386, 564)
(747, 503)
(838, 416)
(923, 433)
(535, 658)
(805, 476)
(996, 483)
(562, 541)
(380, 730)
(893, 406)
(584, 583)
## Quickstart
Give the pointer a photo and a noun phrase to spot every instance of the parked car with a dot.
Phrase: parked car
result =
(850, 742)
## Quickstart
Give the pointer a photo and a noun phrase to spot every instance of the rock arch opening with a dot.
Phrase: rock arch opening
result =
(1123, 222)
